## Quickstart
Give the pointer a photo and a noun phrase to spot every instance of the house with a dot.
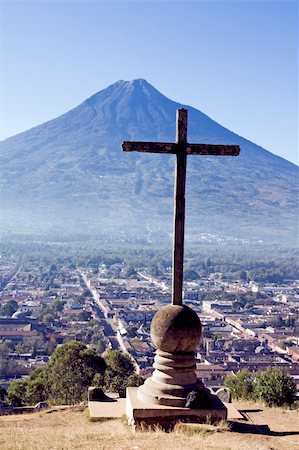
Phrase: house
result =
(15, 329)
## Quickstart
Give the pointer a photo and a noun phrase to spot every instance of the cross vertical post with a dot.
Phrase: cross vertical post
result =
(179, 207)
(181, 148)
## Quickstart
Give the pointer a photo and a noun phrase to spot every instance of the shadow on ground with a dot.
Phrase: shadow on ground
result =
(238, 427)
(245, 411)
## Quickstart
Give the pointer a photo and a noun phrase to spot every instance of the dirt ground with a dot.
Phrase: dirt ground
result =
(265, 429)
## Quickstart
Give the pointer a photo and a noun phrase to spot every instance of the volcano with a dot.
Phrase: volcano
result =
(70, 174)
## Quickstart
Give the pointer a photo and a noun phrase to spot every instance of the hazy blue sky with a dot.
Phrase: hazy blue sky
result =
(234, 60)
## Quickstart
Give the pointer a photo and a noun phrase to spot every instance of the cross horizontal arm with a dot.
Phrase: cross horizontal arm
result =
(190, 149)
(150, 147)
(212, 150)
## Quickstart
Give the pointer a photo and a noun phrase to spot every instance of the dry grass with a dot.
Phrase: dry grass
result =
(71, 429)
(204, 429)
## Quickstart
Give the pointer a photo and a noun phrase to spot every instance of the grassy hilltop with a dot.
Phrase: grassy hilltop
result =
(267, 428)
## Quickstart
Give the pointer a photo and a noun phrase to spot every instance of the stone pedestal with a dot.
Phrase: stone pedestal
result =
(172, 380)
(175, 330)
(140, 413)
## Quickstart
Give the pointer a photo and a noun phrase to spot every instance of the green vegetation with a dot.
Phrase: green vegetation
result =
(8, 367)
(240, 384)
(273, 386)
(119, 373)
(70, 371)
(251, 262)
(9, 308)
(72, 368)
(65, 379)
(3, 393)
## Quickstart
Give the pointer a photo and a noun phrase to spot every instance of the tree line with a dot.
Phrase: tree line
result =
(260, 263)
(71, 369)
(272, 386)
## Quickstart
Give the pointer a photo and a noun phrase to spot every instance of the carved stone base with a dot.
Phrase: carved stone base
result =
(172, 380)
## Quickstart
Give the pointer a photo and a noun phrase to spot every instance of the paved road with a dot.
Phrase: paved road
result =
(13, 274)
(110, 329)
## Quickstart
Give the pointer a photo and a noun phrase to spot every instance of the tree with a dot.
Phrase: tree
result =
(119, 370)
(208, 263)
(5, 348)
(9, 308)
(36, 391)
(37, 386)
(3, 393)
(84, 316)
(129, 272)
(53, 269)
(240, 384)
(134, 380)
(16, 393)
(276, 322)
(65, 379)
(58, 305)
(8, 367)
(191, 275)
(275, 387)
(243, 275)
(154, 270)
(31, 343)
(86, 293)
(29, 391)
(70, 371)
(290, 322)
(47, 318)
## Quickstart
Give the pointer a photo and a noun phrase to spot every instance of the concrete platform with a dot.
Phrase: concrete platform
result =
(117, 409)
(108, 410)
(232, 412)
(140, 413)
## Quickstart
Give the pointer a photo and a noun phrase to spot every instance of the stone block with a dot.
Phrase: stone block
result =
(140, 413)
(224, 394)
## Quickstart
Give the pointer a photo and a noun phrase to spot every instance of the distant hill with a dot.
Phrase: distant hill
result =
(70, 174)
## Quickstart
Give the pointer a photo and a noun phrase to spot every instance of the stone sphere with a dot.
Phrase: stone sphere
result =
(175, 328)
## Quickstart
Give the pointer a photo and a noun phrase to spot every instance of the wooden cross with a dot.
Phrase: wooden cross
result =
(181, 149)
